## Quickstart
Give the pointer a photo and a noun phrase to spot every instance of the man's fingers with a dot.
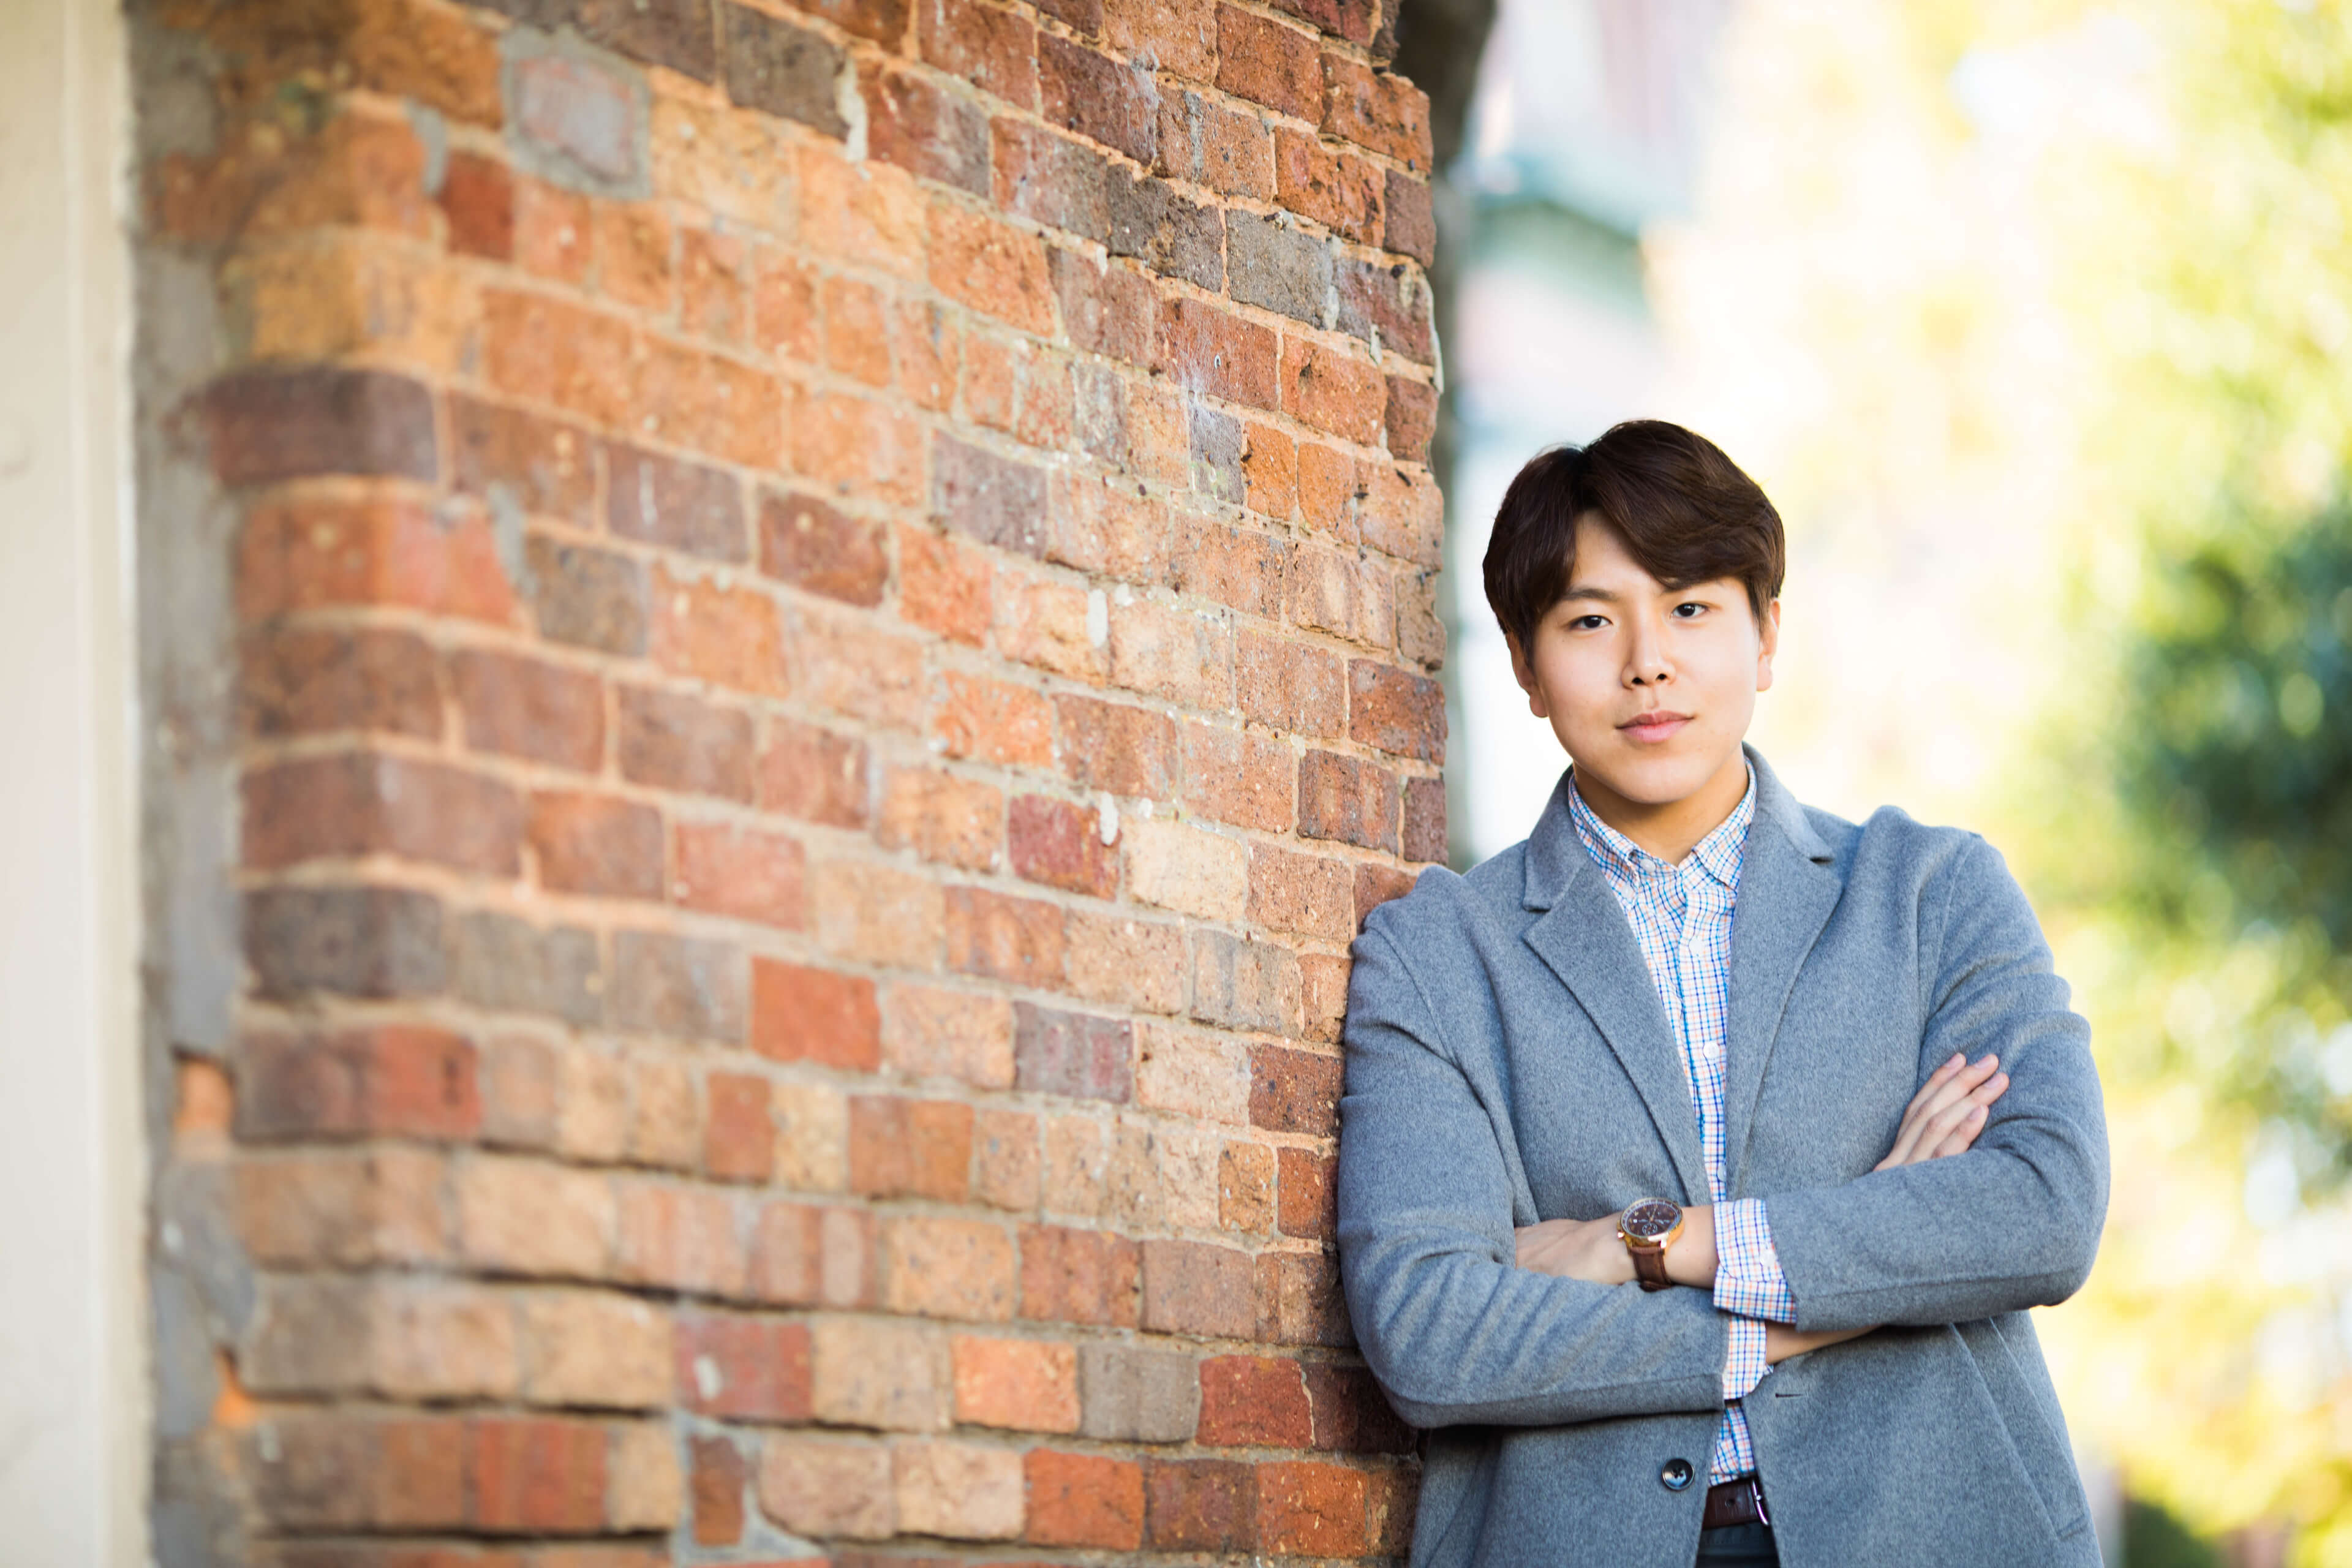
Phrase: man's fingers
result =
(1956, 1130)
(1955, 1089)
(1964, 1136)
(1949, 1085)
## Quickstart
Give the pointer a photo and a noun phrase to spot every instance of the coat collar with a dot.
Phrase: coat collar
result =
(1788, 886)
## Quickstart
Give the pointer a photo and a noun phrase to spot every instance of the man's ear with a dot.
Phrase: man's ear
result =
(1524, 673)
(1767, 643)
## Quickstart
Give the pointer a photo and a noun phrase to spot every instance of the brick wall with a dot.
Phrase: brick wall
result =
(786, 645)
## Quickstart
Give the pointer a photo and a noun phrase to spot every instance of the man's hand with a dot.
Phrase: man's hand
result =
(1589, 1249)
(1948, 1111)
(1781, 1341)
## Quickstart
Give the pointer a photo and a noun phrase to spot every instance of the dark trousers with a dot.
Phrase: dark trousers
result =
(1737, 1546)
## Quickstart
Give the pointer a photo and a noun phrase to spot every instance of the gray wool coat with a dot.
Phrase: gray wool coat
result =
(1509, 1061)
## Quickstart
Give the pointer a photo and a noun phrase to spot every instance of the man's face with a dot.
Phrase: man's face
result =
(1649, 688)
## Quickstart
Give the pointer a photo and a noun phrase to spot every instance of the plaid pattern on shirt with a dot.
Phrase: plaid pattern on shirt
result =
(1681, 916)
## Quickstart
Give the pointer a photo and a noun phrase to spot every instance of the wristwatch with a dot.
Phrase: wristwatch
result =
(1647, 1228)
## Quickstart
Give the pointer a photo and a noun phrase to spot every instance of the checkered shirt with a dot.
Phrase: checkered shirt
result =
(1681, 916)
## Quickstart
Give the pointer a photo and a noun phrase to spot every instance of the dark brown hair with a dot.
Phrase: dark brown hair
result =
(1684, 510)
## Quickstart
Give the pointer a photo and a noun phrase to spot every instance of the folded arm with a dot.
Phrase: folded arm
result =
(1455, 1331)
(2013, 1222)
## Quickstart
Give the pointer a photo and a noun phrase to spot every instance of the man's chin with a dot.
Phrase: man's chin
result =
(1649, 780)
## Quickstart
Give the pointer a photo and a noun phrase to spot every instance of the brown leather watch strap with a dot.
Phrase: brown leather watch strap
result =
(1650, 1267)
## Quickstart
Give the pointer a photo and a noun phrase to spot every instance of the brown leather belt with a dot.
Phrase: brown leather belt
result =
(1734, 1502)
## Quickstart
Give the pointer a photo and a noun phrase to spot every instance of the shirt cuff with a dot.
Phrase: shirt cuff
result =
(1748, 1277)
(1744, 1365)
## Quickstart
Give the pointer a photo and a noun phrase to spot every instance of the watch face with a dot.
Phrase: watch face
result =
(1650, 1219)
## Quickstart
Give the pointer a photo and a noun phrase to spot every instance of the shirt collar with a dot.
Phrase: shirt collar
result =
(1719, 854)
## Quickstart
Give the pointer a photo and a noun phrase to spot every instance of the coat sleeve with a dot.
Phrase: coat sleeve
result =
(1454, 1330)
(2013, 1223)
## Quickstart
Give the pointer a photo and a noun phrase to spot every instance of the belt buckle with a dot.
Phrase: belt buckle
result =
(1755, 1491)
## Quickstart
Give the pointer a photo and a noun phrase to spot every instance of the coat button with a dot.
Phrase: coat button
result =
(1675, 1475)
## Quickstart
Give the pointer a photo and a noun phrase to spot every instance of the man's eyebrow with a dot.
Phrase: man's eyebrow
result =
(1587, 590)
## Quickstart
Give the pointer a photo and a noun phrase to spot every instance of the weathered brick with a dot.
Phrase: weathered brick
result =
(1245, 1188)
(800, 1013)
(1322, 996)
(1277, 266)
(992, 500)
(524, 708)
(348, 1209)
(927, 132)
(678, 1238)
(1121, 750)
(1306, 1509)
(364, 804)
(709, 628)
(727, 869)
(881, 21)
(1213, 352)
(297, 681)
(678, 505)
(718, 1478)
(1097, 97)
(813, 773)
(935, 1268)
(739, 1136)
(682, 987)
(1342, 798)
(1350, 19)
(850, 664)
(1376, 884)
(1339, 189)
(594, 1350)
(1133, 1394)
(1207, 143)
(811, 545)
(1120, 960)
(1200, 1505)
(1409, 224)
(959, 1490)
(1387, 304)
(1007, 1160)
(392, 1080)
(670, 741)
(827, 1489)
(314, 552)
(1083, 1499)
(1236, 567)
(1004, 938)
(1395, 711)
(773, 65)
(1306, 1207)
(1167, 232)
(992, 49)
(1239, 776)
(580, 120)
(1262, 60)
(1050, 624)
(1061, 845)
(1411, 420)
(1072, 1054)
(1254, 1401)
(995, 268)
(743, 1368)
(1291, 687)
(877, 914)
(1332, 391)
(1105, 309)
(588, 597)
(932, 1032)
(943, 585)
(535, 1474)
(523, 1217)
(1079, 1276)
(871, 1371)
(1216, 440)
(1027, 1385)
(910, 1148)
(1311, 895)
(942, 816)
(269, 426)
(1059, 183)
(1192, 1288)
(1243, 984)
(1175, 866)
(353, 941)
(1351, 1414)
(1294, 1090)
(1376, 110)
(596, 844)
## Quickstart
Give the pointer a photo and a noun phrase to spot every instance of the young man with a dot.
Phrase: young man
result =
(1700, 1155)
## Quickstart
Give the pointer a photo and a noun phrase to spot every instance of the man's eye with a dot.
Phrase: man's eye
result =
(1587, 622)
(1690, 610)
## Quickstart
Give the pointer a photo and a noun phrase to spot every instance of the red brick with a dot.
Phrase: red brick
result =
(1311, 895)
(943, 585)
(1121, 750)
(993, 721)
(1004, 938)
(589, 598)
(311, 552)
(1200, 1505)
(553, 234)
(815, 1014)
(1213, 352)
(1322, 996)
(272, 425)
(1376, 110)
(1254, 1401)
(678, 743)
(1350, 19)
(1308, 1509)
(1351, 1415)
(1192, 1288)
(812, 546)
(1239, 776)
(537, 1476)
(725, 633)
(1237, 566)
(1350, 801)
(1026, 1386)
(714, 282)
(742, 1368)
(802, 1255)
(678, 505)
(993, 49)
(1410, 418)
(783, 307)
(717, 1480)
(731, 870)
(596, 844)
(813, 773)
(1061, 845)
(1299, 1302)
(1396, 712)
(1331, 391)
(1057, 182)
(477, 197)
(1343, 592)
(942, 816)
(1268, 63)
(1083, 1499)
(1099, 98)
(910, 1148)
(680, 1239)
(853, 664)
(1245, 1188)
(391, 1081)
(1339, 189)
(362, 803)
(1079, 1277)
(1106, 309)
(882, 21)
(633, 255)
(928, 340)
(545, 351)
(545, 467)
(995, 268)
(856, 337)
(1331, 492)
(1073, 1054)
(1408, 225)
(1208, 145)
(1376, 884)
(937, 1268)
(739, 1138)
(1294, 1090)
(523, 707)
(1308, 1198)
(295, 681)
(1295, 688)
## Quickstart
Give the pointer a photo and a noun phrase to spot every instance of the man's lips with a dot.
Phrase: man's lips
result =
(1655, 725)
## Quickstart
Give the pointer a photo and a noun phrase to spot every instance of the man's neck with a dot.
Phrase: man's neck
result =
(1669, 829)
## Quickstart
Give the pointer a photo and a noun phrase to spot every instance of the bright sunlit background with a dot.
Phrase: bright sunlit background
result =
(2030, 316)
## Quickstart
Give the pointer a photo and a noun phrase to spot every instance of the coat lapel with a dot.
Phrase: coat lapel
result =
(1788, 886)
(1583, 938)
